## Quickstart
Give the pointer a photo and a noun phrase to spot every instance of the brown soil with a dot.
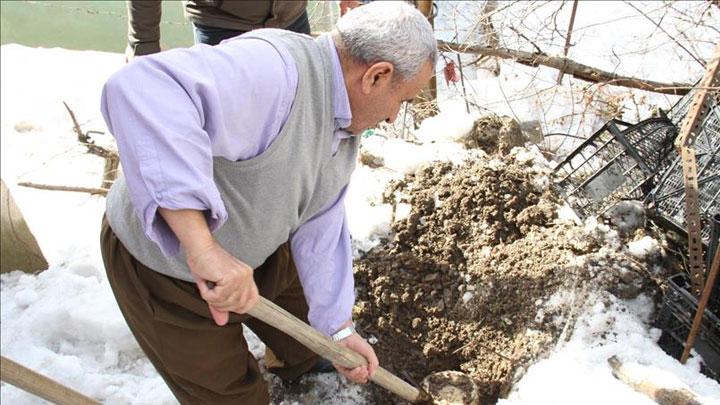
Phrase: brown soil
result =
(466, 282)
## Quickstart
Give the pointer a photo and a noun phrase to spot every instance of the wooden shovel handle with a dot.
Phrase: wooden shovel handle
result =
(40, 385)
(277, 317)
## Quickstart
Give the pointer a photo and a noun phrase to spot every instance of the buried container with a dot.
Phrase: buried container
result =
(676, 316)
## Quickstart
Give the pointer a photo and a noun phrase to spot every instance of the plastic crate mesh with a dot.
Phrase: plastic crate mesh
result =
(619, 161)
(677, 113)
(669, 195)
(676, 317)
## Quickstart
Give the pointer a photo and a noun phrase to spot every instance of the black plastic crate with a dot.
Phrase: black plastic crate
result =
(618, 162)
(675, 319)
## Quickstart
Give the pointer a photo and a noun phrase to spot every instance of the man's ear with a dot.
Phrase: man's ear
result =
(377, 76)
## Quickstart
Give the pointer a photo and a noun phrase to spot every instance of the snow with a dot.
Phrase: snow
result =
(64, 323)
(449, 125)
(643, 247)
(579, 373)
(566, 214)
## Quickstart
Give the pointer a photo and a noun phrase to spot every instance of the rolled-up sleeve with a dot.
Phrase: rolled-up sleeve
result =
(321, 248)
(164, 150)
(172, 112)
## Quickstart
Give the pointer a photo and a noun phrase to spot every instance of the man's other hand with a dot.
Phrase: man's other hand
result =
(359, 375)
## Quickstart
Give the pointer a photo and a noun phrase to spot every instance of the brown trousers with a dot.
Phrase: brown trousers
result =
(201, 362)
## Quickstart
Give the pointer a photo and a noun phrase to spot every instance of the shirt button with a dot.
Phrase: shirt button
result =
(159, 196)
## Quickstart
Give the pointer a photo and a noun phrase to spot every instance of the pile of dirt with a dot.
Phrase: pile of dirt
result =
(471, 279)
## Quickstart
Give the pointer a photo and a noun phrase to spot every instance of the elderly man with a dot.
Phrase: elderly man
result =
(236, 161)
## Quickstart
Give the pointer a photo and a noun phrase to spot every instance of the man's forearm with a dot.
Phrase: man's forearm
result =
(191, 228)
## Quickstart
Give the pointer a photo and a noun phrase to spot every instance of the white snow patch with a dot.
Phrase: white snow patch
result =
(643, 247)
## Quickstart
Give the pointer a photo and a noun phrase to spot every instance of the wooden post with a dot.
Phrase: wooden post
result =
(18, 248)
(567, 39)
(428, 95)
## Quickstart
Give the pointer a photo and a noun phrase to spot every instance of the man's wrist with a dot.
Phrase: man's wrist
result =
(343, 333)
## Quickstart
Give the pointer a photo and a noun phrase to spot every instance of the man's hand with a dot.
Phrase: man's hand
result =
(233, 287)
(359, 375)
(225, 282)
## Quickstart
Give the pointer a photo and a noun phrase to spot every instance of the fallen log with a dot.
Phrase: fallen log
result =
(663, 396)
(568, 66)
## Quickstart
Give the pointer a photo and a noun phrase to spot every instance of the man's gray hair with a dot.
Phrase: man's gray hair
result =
(388, 31)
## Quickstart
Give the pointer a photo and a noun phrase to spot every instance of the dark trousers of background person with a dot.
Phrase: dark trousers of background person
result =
(201, 362)
(205, 34)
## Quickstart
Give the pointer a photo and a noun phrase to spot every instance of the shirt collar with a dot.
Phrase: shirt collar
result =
(341, 102)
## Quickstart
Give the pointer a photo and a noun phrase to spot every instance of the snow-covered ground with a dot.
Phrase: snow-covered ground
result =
(64, 322)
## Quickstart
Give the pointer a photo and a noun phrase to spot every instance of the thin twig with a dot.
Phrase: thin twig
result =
(51, 187)
(462, 81)
(667, 33)
(85, 139)
(521, 35)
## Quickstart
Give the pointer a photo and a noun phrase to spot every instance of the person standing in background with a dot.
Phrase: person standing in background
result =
(216, 20)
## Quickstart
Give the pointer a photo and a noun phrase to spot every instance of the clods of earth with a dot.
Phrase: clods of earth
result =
(481, 276)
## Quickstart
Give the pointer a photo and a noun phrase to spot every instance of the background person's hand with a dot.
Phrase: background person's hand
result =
(359, 375)
(231, 285)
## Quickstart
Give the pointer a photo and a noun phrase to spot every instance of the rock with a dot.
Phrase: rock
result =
(370, 158)
(532, 131)
(627, 216)
(494, 133)
(26, 126)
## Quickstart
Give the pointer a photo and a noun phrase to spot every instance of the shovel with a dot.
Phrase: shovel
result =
(282, 320)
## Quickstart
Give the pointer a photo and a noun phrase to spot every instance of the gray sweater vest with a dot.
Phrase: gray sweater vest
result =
(269, 196)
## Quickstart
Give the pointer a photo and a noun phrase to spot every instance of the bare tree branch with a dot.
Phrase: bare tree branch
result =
(85, 139)
(112, 160)
(577, 70)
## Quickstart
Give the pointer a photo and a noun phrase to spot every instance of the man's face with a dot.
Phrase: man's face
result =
(381, 98)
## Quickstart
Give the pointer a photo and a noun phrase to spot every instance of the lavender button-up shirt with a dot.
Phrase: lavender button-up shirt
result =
(172, 112)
